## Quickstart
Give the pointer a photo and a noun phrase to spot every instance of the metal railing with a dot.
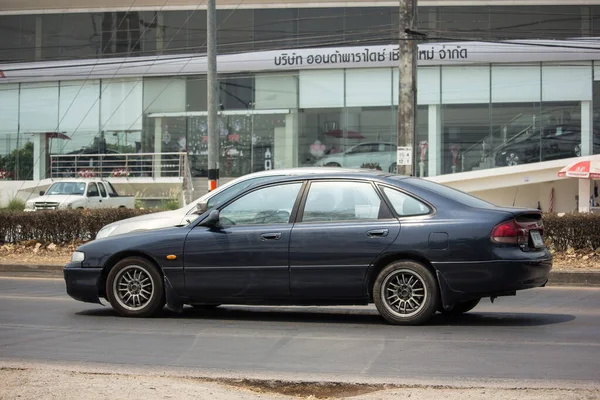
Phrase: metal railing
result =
(127, 165)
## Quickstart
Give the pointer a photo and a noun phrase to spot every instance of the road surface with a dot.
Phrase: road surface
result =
(542, 334)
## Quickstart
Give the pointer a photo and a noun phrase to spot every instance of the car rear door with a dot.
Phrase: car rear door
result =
(342, 227)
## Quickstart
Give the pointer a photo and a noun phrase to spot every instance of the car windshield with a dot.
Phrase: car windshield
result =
(70, 188)
(451, 193)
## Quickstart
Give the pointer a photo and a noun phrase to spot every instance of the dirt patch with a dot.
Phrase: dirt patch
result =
(311, 390)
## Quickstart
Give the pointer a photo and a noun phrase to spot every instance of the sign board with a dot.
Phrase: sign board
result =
(404, 156)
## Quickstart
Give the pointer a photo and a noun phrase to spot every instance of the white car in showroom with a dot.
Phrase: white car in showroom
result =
(223, 193)
(363, 155)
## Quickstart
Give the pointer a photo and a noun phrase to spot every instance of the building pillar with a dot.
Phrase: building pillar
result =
(587, 128)
(160, 32)
(157, 158)
(585, 190)
(586, 22)
(40, 154)
(434, 140)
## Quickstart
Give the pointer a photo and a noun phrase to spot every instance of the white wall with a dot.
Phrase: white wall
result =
(529, 195)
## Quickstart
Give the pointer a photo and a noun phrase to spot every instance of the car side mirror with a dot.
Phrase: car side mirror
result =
(213, 219)
(42, 192)
(201, 207)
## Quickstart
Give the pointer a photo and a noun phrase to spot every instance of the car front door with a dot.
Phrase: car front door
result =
(93, 196)
(247, 257)
(341, 229)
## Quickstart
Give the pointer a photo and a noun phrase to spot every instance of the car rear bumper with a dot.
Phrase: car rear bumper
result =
(83, 283)
(493, 278)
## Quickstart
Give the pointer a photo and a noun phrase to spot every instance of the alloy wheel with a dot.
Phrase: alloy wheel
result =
(133, 287)
(512, 159)
(404, 292)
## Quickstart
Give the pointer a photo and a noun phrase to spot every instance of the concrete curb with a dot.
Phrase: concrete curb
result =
(556, 278)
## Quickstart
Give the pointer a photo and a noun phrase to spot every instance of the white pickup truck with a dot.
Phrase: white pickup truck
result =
(79, 194)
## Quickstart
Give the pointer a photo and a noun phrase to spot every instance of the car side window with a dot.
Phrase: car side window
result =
(232, 191)
(102, 189)
(405, 205)
(92, 190)
(343, 201)
(270, 205)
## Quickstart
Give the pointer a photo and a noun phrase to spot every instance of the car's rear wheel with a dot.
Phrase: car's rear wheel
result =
(135, 288)
(461, 307)
(513, 158)
(406, 293)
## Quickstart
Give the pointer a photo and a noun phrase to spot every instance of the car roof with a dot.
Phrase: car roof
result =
(334, 173)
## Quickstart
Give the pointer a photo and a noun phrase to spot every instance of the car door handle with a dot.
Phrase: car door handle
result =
(378, 233)
(270, 236)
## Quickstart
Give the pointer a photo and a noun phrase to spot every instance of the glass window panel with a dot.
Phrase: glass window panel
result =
(342, 201)
(164, 94)
(9, 117)
(516, 83)
(368, 87)
(121, 104)
(463, 21)
(196, 90)
(566, 81)
(321, 25)
(271, 205)
(236, 93)
(276, 28)
(276, 91)
(405, 205)
(324, 88)
(561, 130)
(235, 31)
(515, 134)
(596, 117)
(17, 37)
(369, 25)
(39, 107)
(79, 109)
(465, 85)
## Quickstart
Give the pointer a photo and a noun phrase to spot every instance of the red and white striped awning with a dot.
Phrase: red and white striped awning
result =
(588, 169)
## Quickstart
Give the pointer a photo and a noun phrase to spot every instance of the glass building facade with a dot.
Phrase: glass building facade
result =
(470, 116)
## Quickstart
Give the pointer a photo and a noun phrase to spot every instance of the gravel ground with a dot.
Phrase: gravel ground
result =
(49, 383)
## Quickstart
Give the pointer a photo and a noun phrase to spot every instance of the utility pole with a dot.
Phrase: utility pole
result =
(213, 96)
(407, 90)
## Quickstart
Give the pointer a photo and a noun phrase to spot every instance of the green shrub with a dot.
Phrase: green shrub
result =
(15, 205)
(61, 226)
(170, 204)
(577, 231)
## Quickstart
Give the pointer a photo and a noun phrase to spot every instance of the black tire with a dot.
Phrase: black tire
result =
(406, 292)
(461, 307)
(140, 272)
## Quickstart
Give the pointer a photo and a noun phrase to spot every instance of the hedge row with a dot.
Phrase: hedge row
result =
(64, 226)
(579, 231)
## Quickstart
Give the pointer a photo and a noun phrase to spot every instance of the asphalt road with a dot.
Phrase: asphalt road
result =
(545, 334)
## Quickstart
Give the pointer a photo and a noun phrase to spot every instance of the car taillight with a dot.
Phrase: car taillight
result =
(506, 232)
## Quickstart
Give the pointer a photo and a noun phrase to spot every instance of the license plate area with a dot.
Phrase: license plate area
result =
(536, 239)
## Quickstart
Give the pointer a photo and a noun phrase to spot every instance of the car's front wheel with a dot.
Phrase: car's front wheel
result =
(406, 293)
(135, 288)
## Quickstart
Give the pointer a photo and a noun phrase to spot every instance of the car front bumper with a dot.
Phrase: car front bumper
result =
(83, 284)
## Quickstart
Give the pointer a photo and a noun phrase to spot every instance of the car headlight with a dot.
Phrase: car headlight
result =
(77, 256)
(106, 231)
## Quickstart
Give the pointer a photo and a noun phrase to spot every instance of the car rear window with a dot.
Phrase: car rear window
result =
(454, 194)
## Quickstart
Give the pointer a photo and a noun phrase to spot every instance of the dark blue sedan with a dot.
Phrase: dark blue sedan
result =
(408, 245)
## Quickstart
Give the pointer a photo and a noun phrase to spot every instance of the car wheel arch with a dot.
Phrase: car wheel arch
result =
(386, 259)
(114, 260)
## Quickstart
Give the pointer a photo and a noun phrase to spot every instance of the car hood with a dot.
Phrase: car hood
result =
(163, 219)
